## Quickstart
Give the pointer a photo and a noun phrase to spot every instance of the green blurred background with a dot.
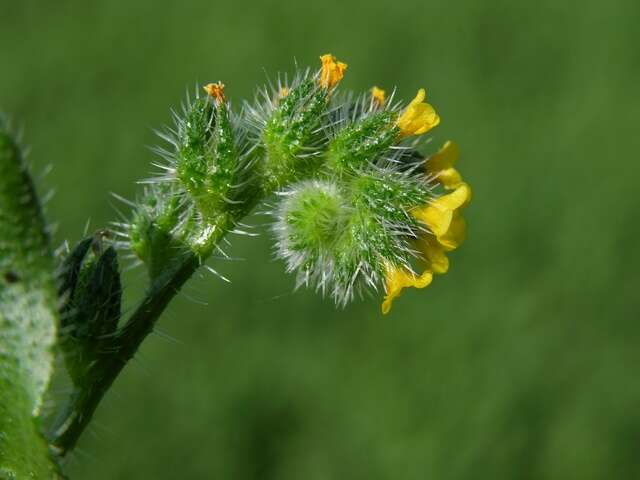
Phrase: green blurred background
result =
(522, 362)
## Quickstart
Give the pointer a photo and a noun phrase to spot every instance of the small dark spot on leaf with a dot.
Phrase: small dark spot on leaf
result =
(11, 277)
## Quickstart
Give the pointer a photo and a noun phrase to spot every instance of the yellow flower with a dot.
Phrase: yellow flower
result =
(215, 90)
(440, 166)
(399, 278)
(378, 96)
(418, 118)
(443, 217)
(434, 254)
(332, 71)
(447, 227)
(446, 232)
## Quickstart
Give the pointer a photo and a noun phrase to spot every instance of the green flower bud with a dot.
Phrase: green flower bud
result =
(207, 162)
(90, 285)
(361, 142)
(311, 219)
(292, 134)
(160, 226)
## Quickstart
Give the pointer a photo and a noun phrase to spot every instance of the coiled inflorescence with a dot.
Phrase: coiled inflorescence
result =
(358, 206)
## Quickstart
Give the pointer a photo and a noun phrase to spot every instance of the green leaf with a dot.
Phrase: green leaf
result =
(28, 302)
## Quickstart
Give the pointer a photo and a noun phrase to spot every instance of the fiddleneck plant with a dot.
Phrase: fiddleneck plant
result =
(357, 207)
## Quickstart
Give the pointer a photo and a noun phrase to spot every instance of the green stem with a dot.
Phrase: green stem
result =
(125, 344)
(103, 373)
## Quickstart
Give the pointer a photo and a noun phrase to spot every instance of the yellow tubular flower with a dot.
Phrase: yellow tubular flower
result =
(444, 220)
(332, 71)
(215, 91)
(440, 166)
(442, 215)
(399, 278)
(447, 225)
(378, 96)
(434, 255)
(418, 118)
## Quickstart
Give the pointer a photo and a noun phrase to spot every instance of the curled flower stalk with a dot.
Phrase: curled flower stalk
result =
(356, 207)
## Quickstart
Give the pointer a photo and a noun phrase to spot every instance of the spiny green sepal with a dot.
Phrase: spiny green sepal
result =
(159, 230)
(362, 142)
(207, 164)
(389, 195)
(291, 136)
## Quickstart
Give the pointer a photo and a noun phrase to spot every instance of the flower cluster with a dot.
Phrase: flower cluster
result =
(358, 206)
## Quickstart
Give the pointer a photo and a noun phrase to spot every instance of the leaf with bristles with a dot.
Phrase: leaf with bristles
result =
(28, 319)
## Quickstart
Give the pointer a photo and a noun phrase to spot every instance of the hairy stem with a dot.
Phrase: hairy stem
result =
(103, 373)
(125, 344)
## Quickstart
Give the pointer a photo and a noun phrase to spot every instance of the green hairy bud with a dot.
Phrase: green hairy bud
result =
(357, 144)
(207, 161)
(90, 282)
(159, 229)
(310, 221)
(291, 132)
(316, 213)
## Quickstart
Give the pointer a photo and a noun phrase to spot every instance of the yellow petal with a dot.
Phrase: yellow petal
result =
(418, 117)
(436, 218)
(378, 96)
(399, 278)
(419, 98)
(445, 158)
(439, 214)
(434, 255)
(441, 165)
(332, 71)
(459, 198)
(449, 178)
(454, 237)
